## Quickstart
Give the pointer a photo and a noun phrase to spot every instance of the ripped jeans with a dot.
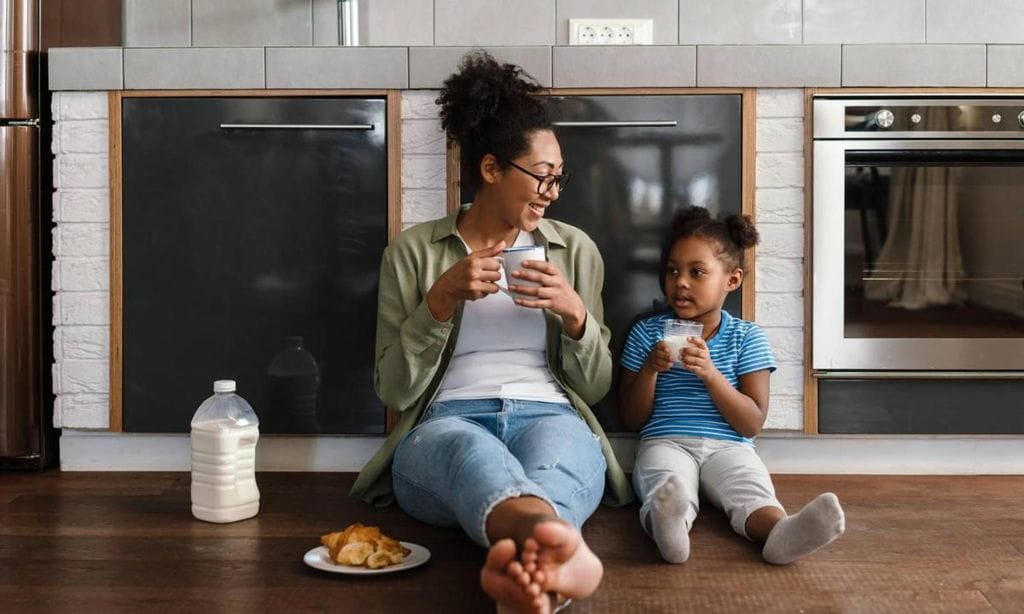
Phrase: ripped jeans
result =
(467, 456)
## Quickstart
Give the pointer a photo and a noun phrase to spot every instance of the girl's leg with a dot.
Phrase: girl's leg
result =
(736, 481)
(665, 477)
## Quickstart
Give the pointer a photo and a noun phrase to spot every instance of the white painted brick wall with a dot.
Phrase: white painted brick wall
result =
(423, 159)
(81, 266)
(779, 204)
(81, 241)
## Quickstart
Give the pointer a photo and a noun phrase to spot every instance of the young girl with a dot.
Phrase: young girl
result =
(698, 411)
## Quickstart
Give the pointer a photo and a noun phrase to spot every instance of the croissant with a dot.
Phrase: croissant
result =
(360, 545)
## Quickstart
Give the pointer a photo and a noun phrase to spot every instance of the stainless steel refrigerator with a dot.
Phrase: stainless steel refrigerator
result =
(24, 424)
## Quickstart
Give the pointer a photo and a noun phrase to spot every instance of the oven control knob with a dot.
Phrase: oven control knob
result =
(1020, 119)
(915, 118)
(996, 118)
(884, 118)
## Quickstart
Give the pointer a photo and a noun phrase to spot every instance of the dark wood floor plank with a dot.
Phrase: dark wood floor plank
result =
(127, 542)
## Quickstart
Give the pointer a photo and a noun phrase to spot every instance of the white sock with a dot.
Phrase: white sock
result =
(814, 526)
(667, 521)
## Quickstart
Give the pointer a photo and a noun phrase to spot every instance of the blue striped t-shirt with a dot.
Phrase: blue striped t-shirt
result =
(682, 405)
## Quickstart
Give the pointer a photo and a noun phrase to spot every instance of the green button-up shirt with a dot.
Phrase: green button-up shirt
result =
(413, 349)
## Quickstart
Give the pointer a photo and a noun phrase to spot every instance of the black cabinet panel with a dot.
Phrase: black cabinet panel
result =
(236, 242)
(921, 406)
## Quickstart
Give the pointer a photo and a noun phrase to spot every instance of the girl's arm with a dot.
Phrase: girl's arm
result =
(744, 408)
(636, 389)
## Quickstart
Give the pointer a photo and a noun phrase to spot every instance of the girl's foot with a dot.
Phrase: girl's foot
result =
(816, 525)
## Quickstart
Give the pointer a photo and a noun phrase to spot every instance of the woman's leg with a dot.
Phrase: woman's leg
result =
(665, 477)
(559, 453)
(452, 471)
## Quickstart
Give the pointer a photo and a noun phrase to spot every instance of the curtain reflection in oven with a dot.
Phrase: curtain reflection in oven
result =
(920, 264)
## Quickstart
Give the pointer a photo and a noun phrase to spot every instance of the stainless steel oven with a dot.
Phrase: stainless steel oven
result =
(918, 234)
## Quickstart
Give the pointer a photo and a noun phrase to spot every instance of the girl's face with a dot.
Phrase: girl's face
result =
(696, 281)
(520, 204)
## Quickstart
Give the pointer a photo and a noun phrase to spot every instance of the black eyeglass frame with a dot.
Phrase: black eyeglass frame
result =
(551, 180)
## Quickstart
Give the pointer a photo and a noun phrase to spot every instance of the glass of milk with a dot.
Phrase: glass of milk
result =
(676, 332)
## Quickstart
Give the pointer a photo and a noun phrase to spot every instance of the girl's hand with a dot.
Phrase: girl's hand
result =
(554, 294)
(469, 279)
(660, 359)
(697, 359)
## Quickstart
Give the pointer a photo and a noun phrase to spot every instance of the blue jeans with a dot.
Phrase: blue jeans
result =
(466, 457)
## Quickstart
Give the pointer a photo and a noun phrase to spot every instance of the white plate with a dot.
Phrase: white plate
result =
(320, 558)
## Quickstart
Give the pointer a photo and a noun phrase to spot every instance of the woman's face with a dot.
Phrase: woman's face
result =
(696, 280)
(519, 203)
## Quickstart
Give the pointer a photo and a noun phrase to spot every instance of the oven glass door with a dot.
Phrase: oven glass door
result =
(932, 254)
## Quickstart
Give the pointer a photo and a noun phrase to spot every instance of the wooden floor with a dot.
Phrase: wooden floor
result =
(126, 542)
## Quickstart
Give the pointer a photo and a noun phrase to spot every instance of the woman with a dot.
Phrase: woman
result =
(495, 433)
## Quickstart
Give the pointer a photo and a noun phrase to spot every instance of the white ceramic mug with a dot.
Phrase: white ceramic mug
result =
(676, 333)
(512, 260)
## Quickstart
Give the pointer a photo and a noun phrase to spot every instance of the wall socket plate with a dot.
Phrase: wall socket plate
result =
(611, 31)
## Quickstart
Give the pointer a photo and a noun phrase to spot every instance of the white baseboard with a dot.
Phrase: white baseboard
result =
(783, 452)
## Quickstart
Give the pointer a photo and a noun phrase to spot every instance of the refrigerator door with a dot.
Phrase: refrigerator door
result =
(19, 46)
(19, 322)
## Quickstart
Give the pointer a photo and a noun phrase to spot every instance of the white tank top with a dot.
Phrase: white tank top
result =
(501, 351)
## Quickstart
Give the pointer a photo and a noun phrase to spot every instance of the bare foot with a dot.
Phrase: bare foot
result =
(559, 561)
(505, 580)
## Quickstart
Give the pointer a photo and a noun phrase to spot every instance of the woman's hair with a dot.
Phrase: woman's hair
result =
(490, 108)
(728, 237)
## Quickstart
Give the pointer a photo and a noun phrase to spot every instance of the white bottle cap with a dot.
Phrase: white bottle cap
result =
(224, 385)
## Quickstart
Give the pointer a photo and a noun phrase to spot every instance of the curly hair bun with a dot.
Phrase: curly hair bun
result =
(482, 92)
(742, 230)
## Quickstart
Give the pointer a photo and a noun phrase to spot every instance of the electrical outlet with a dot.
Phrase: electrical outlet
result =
(611, 31)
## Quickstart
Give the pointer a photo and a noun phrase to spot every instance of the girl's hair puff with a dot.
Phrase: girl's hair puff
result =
(490, 108)
(729, 237)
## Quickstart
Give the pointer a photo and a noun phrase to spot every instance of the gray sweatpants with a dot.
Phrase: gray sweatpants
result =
(730, 474)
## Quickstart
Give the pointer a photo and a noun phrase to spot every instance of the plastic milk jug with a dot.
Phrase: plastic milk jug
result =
(224, 434)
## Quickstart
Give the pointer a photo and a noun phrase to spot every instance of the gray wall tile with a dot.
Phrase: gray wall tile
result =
(522, 22)
(1005, 65)
(626, 66)
(864, 21)
(85, 68)
(157, 23)
(325, 23)
(978, 21)
(338, 67)
(664, 13)
(195, 68)
(397, 22)
(429, 67)
(769, 65)
(739, 22)
(914, 65)
(228, 23)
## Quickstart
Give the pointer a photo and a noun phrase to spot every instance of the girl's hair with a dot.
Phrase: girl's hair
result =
(490, 108)
(728, 237)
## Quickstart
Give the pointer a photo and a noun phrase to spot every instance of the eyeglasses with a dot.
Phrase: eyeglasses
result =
(545, 182)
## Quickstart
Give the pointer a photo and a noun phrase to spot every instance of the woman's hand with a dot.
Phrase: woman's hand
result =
(554, 294)
(469, 279)
(697, 359)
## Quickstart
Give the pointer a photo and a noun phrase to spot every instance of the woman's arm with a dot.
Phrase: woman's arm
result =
(409, 342)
